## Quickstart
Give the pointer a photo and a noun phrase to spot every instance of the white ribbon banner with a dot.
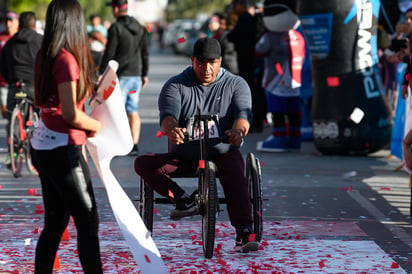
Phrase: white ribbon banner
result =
(115, 139)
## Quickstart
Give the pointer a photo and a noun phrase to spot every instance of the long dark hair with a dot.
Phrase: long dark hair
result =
(65, 28)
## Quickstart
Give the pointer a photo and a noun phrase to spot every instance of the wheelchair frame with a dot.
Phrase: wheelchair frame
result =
(207, 199)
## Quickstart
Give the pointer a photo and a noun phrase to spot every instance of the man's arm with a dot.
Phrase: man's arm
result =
(238, 131)
(145, 60)
(171, 128)
(110, 50)
(262, 46)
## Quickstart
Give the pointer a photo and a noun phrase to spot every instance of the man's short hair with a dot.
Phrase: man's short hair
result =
(241, 2)
(27, 19)
(121, 4)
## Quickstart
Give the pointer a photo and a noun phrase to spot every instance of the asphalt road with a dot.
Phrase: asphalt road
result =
(361, 199)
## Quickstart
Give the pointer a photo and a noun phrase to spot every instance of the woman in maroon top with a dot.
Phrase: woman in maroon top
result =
(63, 80)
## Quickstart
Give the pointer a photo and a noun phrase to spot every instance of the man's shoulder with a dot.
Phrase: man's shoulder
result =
(228, 76)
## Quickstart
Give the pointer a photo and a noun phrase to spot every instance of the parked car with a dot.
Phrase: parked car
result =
(181, 35)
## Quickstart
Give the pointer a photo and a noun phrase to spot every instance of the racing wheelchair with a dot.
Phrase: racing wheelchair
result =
(207, 194)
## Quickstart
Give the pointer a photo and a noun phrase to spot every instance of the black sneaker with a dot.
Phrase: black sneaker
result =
(245, 240)
(184, 207)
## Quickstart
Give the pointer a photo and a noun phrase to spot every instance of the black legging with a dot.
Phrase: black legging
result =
(67, 191)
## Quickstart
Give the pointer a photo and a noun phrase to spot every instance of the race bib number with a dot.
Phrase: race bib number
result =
(195, 133)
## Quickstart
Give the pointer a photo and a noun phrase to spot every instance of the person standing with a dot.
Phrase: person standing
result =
(63, 80)
(96, 25)
(17, 62)
(243, 35)
(11, 26)
(127, 44)
(229, 55)
(17, 57)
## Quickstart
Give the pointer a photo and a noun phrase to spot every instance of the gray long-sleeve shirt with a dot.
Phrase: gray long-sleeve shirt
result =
(182, 95)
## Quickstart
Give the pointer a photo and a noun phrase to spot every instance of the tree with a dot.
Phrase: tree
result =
(40, 6)
(177, 9)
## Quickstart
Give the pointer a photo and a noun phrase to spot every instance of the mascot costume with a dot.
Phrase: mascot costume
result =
(283, 48)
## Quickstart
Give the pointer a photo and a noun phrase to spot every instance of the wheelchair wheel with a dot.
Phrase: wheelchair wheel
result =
(208, 207)
(145, 204)
(17, 136)
(253, 173)
(32, 118)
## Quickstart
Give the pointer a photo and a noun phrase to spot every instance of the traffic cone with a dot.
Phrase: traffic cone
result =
(65, 235)
(56, 264)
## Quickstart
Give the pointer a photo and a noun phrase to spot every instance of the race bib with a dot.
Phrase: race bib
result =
(195, 133)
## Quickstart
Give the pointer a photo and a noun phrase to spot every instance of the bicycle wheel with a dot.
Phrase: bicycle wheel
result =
(253, 172)
(145, 204)
(208, 199)
(32, 119)
(17, 135)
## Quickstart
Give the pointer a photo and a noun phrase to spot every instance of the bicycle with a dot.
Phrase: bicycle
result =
(207, 198)
(22, 120)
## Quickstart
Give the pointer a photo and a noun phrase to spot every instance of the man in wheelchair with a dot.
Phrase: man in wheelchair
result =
(207, 87)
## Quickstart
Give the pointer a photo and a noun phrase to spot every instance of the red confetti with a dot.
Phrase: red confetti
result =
(321, 264)
(148, 29)
(343, 188)
(181, 40)
(132, 91)
(218, 248)
(385, 188)
(395, 265)
(297, 237)
(173, 225)
(262, 164)
(194, 237)
(171, 194)
(124, 255)
(155, 211)
(257, 211)
(147, 258)
(159, 134)
(31, 191)
(350, 188)
(222, 262)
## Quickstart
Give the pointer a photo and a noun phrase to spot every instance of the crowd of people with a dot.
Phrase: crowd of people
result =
(394, 50)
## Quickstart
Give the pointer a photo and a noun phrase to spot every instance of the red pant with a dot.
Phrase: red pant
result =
(156, 168)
